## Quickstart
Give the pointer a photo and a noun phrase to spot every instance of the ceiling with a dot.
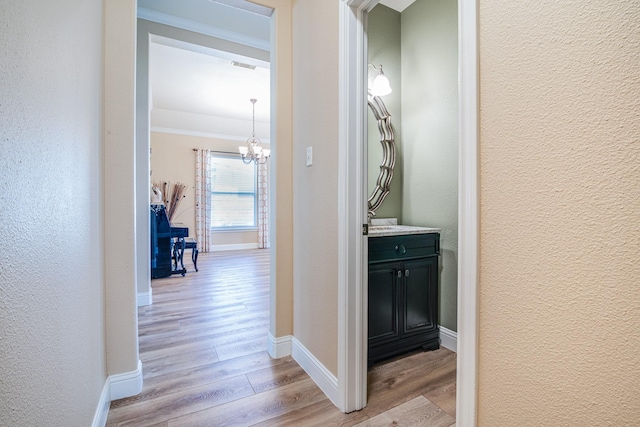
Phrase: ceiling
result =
(198, 80)
(235, 20)
(398, 5)
(195, 84)
(248, 6)
(199, 89)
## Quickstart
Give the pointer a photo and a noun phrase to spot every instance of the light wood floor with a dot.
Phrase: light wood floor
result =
(203, 350)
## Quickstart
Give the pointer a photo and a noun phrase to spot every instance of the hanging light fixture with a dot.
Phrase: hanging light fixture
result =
(380, 86)
(253, 151)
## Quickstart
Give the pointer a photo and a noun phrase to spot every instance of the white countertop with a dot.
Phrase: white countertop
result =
(399, 230)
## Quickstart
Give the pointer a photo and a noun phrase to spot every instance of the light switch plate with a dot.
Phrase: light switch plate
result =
(309, 156)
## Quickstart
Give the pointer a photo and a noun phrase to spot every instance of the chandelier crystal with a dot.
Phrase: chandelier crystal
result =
(253, 151)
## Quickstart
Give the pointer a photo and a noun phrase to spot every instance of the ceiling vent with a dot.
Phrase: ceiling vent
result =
(243, 65)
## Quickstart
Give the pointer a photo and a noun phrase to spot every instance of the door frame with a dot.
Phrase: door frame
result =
(120, 185)
(352, 196)
(280, 178)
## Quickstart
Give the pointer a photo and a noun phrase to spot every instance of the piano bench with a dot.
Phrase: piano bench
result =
(191, 243)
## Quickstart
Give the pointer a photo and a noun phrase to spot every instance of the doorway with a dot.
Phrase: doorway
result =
(193, 90)
(353, 246)
(279, 176)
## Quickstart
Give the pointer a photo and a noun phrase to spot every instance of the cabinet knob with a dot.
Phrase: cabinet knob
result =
(406, 273)
(401, 249)
(399, 273)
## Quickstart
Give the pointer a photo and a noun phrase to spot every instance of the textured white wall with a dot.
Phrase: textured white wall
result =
(52, 352)
(315, 189)
(559, 323)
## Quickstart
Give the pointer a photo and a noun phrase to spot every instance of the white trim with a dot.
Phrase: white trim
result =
(449, 339)
(126, 384)
(467, 364)
(185, 132)
(279, 347)
(362, 5)
(352, 196)
(145, 298)
(327, 382)
(234, 247)
(102, 410)
(198, 27)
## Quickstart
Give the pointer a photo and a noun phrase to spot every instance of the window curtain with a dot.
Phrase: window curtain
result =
(203, 201)
(263, 205)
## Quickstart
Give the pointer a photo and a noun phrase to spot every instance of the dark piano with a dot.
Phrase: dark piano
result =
(167, 244)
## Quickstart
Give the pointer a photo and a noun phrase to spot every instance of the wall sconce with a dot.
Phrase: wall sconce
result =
(380, 86)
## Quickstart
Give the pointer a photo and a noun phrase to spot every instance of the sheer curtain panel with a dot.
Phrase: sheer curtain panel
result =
(203, 201)
(263, 205)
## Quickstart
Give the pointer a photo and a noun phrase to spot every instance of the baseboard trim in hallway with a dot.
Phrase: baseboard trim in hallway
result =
(126, 384)
(279, 347)
(327, 382)
(102, 410)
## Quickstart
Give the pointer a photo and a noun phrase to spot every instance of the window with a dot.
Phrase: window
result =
(233, 193)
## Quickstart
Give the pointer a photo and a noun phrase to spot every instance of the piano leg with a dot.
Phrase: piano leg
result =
(178, 256)
(194, 258)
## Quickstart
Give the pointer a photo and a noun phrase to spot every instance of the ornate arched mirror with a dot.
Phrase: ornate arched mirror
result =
(383, 182)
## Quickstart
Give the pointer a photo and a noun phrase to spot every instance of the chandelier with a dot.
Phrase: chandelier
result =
(253, 151)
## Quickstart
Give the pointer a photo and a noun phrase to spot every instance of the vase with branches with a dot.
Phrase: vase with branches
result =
(172, 196)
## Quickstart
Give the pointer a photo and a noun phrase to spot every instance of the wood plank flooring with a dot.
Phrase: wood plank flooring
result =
(203, 346)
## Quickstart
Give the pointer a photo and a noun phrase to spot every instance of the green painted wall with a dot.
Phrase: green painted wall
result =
(430, 132)
(427, 125)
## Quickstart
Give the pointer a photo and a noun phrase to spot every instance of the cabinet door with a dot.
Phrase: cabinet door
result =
(420, 301)
(383, 302)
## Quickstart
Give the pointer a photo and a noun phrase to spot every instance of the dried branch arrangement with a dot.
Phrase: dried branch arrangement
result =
(172, 195)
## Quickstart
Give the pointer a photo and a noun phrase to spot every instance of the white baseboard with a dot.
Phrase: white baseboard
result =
(145, 298)
(449, 339)
(102, 410)
(234, 247)
(327, 382)
(126, 384)
(279, 347)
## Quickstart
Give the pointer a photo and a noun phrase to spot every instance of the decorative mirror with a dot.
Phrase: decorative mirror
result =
(383, 183)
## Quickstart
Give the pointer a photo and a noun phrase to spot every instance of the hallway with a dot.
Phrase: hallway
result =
(205, 362)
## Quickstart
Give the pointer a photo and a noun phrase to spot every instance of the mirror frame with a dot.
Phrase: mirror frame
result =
(387, 139)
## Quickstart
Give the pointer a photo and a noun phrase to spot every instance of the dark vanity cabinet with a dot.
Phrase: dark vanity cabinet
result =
(403, 294)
